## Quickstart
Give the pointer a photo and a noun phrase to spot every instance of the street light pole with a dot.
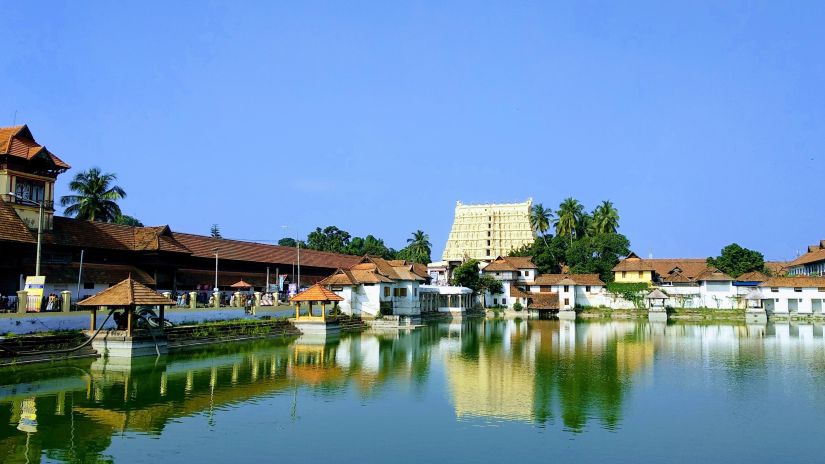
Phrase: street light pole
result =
(39, 228)
(216, 270)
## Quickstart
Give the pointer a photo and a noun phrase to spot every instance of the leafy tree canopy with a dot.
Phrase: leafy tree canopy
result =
(330, 239)
(490, 284)
(127, 220)
(735, 260)
(95, 197)
(467, 275)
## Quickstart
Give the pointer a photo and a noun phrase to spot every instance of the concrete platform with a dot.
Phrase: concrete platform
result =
(657, 314)
(117, 344)
(567, 314)
(311, 326)
(756, 316)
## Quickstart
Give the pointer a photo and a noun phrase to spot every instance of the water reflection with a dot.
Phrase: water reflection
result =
(543, 372)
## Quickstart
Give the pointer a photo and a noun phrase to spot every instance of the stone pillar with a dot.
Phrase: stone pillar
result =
(238, 303)
(22, 300)
(257, 299)
(66, 301)
(216, 299)
(193, 300)
(167, 295)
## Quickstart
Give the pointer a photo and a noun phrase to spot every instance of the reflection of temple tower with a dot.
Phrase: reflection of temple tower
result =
(487, 231)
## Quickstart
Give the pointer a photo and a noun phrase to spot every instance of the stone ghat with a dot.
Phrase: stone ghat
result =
(44, 343)
(202, 334)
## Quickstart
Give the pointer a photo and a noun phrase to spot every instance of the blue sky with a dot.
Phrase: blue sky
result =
(702, 122)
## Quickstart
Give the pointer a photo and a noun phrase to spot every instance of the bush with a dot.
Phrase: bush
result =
(517, 306)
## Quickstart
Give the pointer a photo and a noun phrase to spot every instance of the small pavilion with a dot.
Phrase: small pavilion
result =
(656, 299)
(128, 294)
(309, 323)
(314, 294)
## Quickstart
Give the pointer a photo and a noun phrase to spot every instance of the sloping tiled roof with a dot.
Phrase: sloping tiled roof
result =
(689, 267)
(515, 292)
(712, 275)
(510, 263)
(543, 300)
(815, 254)
(777, 268)
(12, 228)
(204, 247)
(795, 282)
(573, 279)
(127, 293)
(17, 141)
(753, 276)
(316, 293)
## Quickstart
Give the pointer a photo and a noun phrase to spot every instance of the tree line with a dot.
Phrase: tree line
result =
(581, 242)
(335, 240)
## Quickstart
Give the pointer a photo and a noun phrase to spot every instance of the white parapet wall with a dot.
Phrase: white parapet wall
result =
(21, 324)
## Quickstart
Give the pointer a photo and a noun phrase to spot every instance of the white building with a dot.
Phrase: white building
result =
(378, 286)
(793, 295)
(445, 299)
(522, 283)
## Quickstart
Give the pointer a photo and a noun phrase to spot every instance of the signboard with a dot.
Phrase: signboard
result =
(293, 290)
(34, 288)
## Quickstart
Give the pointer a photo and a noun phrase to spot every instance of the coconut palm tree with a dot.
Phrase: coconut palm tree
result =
(540, 219)
(605, 218)
(96, 197)
(419, 246)
(569, 218)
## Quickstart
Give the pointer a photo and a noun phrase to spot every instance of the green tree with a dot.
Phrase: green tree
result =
(215, 231)
(467, 275)
(127, 220)
(605, 219)
(735, 260)
(548, 255)
(418, 247)
(540, 219)
(569, 218)
(488, 283)
(597, 254)
(95, 197)
(288, 242)
(330, 239)
(369, 245)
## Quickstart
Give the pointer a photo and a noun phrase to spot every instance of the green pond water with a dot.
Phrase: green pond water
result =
(473, 391)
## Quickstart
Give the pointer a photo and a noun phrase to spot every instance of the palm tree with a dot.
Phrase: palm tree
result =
(95, 198)
(540, 219)
(419, 246)
(605, 218)
(569, 217)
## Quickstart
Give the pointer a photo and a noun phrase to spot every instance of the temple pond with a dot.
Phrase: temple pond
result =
(472, 391)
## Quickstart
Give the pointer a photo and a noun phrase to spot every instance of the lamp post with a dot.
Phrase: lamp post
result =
(39, 227)
(216, 270)
(298, 250)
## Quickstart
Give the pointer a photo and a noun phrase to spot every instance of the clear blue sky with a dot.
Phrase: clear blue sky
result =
(703, 123)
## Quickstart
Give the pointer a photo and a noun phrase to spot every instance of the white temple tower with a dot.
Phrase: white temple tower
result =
(484, 232)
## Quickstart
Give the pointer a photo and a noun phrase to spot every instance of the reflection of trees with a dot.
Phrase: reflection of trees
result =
(536, 370)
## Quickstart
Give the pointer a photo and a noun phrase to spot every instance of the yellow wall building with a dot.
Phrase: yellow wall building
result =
(486, 231)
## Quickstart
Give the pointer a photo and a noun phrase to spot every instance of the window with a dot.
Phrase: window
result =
(774, 289)
(797, 289)
(641, 274)
(400, 291)
(489, 233)
(88, 285)
(624, 273)
(587, 288)
(386, 291)
(489, 218)
(567, 301)
(821, 289)
(526, 273)
(488, 242)
(498, 273)
(337, 289)
(495, 301)
(488, 253)
(30, 189)
(504, 301)
(566, 288)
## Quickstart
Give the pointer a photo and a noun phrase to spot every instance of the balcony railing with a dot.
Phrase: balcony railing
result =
(15, 200)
